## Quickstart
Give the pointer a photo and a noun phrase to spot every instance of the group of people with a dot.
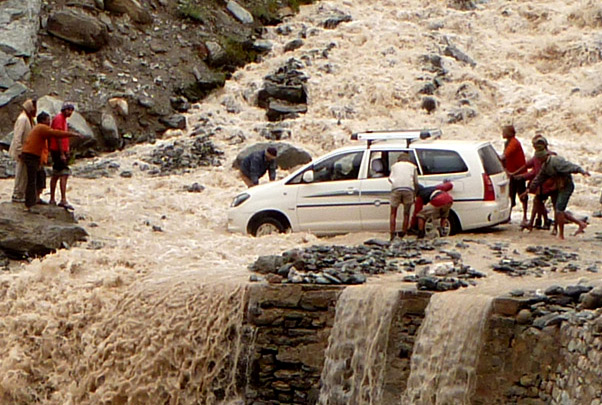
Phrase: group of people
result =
(429, 202)
(36, 136)
(545, 175)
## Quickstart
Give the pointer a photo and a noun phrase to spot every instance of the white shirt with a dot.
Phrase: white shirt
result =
(404, 176)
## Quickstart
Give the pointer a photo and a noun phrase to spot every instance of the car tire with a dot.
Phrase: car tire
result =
(454, 224)
(267, 226)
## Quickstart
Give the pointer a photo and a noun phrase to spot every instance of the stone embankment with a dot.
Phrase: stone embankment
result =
(536, 349)
(31, 234)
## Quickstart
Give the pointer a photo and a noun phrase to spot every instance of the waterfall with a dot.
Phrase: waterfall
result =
(356, 354)
(447, 348)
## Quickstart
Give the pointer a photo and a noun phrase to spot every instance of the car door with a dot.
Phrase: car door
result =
(330, 203)
(375, 190)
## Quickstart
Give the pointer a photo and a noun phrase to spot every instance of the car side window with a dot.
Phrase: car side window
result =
(339, 167)
(435, 161)
(381, 162)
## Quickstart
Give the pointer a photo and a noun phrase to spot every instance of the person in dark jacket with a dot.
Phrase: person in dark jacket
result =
(561, 170)
(254, 166)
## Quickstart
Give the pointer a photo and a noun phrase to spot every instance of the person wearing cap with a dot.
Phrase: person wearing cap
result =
(433, 202)
(404, 183)
(561, 170)
(23, 125)
(59, 151)
(547, 189)
(32, 152)
(254, 166)
(513, 159)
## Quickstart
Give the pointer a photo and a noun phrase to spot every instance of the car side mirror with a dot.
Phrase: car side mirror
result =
(308, 176)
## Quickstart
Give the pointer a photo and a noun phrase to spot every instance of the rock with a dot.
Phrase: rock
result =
(19, 24)
(292, 45)
(333, 22)
(554, 290)
(176, 121)
(575, 291)
(593, 299)
(126, 174)
(195, 188)
(239, 12)
(78, 28)
(11, 93)
(120, 105)
(216, 55)
(7, 166)
(262, 46)
(291, 93)
(279, 110)
(524, 317)
(429, 104)
(267, 264)
(25, 234)
(288, 157)
(549, 320)
(458, 55)
(130, 7)
(110, 132)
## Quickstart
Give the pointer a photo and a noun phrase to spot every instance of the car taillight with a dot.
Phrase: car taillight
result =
(489, 194)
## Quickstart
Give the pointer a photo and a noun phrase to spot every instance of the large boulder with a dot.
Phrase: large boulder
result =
(130, 7)
(19, 24)
(288, 157)
(24, 234)
(79, 29)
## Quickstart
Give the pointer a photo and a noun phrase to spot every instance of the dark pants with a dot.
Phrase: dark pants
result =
(32, 162)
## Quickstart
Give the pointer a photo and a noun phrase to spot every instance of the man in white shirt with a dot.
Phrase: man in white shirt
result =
(23, 126)
(404, 183)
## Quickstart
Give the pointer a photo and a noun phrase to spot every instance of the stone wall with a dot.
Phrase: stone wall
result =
(533, 352)
(292, 324)
(524, 361)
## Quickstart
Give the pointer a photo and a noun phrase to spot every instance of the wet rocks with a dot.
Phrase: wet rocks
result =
(352, 264)
(183, 155)
(7, 166)
(78, 28)
(284, 93)
(24, 234)
(550, 258)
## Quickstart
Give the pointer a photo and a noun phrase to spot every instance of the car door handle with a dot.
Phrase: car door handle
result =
(352, 190)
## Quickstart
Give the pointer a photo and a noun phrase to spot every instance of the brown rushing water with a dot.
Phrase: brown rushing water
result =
(134, 307)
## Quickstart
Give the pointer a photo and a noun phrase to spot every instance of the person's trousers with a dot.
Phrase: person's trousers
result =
(20, 180)
(32, 162)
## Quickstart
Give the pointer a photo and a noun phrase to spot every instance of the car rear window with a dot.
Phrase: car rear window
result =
(491, 160)
(435, 161)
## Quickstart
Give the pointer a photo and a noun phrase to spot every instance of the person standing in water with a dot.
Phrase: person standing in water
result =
(513, 159)
(404, 183)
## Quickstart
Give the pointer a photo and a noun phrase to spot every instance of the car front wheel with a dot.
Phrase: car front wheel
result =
(268, 226)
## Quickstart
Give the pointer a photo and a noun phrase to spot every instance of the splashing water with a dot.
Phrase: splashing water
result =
(356, 353)
(444, 361)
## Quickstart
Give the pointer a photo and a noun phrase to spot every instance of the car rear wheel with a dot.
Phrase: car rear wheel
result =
(267, 226)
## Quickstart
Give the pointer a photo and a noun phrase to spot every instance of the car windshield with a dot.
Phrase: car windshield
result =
(491, 160)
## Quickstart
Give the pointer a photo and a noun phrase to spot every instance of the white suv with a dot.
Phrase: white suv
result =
(347, 190)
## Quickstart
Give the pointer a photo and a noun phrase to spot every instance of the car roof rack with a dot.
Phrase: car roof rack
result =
(409, 135)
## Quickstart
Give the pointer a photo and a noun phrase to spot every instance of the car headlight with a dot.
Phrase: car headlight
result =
(239, 199)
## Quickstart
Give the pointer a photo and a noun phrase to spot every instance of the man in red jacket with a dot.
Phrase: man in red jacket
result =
(59, 151)
(513, 159)
(433, 202)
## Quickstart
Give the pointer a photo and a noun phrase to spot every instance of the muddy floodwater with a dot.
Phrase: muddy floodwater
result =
(150, 307)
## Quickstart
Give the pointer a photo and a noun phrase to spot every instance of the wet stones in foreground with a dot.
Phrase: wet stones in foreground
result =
(340, 265)
(545, 259)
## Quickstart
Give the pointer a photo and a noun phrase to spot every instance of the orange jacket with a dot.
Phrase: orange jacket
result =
(36, 141)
